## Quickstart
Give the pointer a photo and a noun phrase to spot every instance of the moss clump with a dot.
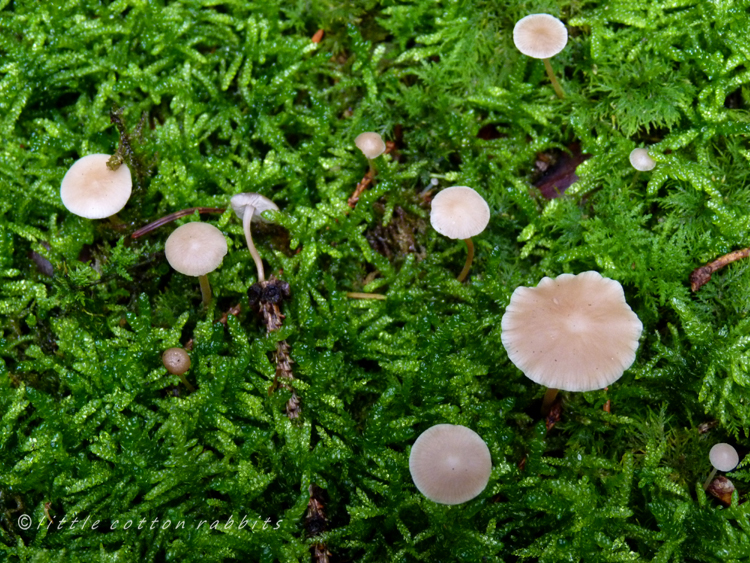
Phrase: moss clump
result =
(238, 98)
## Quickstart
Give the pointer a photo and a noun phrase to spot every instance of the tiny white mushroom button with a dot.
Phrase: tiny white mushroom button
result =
(641, 161)
(723, 457)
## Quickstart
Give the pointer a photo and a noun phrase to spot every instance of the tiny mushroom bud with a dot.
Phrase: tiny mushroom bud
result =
(724, 458)
(371, 145)
(248, 207)
(177, 362)
(92, 190)
(573, 332)
(541, 36)
(641, 161)
(450, 464)
(460, 212)
(196, 249)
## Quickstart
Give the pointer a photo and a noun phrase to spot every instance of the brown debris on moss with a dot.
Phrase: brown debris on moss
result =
(266, 297)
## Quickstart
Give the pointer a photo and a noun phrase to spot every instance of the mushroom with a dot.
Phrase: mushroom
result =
(641, 161)
(371, 145)
(724, 458)
(450, 464)
(460, 212)
(195, 249)
(248, 207)
(541, 36)
(177, 362)
(92, 190)
(573, 332)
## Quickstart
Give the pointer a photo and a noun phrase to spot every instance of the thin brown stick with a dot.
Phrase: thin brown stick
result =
(361, 187)
(368, 179)
(701, 276)
(355, 295)
(469, 259)
(173, 217)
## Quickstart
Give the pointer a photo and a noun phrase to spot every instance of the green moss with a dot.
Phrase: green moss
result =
(238, 98)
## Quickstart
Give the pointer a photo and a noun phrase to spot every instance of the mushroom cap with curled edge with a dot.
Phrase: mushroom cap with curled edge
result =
(450, 464)
(540, 36)
(195, 249)
(259, 203)
(641, 160)
(573, 332)
(371, 144)
(459, 212)
(176, 360)
(92, 190)
(723, 457)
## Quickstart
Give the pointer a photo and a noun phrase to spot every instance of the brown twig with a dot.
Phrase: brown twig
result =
(361, 187)
(173, 217)
(125, 152)
(316, 523)
(266, 297)
(701, 276)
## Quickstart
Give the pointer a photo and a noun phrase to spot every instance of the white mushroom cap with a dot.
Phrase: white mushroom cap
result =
(258, 202)
(91, 190)
(371, 145)
(640, 160)
(723, 457)
(195, 249)
(574, 333)
(459, 212)
(450, 464)
(540, 36)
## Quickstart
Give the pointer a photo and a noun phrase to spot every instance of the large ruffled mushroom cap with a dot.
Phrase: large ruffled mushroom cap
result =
(574, 333)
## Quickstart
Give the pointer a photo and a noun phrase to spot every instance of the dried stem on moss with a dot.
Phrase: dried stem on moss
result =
(266, 297)
(316, 523)
(173, 217)
(701, 276)
(125, 152)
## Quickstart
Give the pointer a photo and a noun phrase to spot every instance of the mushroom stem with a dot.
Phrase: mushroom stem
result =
(205, 289)
(469, 259)
(246, 218)
(710, 478)
(185, 381)
(549, 398)
(116, 222)
(555, 83)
